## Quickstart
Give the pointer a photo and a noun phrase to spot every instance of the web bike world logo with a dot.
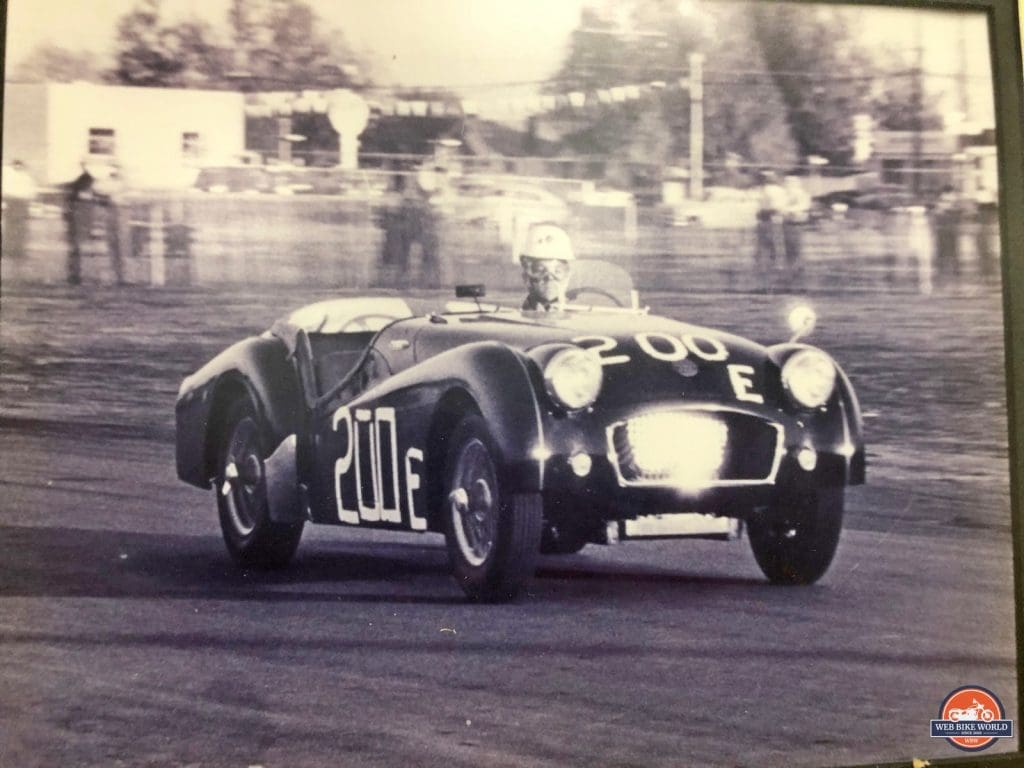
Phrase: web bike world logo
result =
(972, 718)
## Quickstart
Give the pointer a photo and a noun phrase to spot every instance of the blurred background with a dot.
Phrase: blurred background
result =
(724, 145)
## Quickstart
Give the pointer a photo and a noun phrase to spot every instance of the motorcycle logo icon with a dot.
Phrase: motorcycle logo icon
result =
(977, 711)
(971, 718)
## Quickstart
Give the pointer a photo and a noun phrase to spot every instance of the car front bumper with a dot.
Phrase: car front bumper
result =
(752, 453)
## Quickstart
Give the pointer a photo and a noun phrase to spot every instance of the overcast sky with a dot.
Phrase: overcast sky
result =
(457, 42)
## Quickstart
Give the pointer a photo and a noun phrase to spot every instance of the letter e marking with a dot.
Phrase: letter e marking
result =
(742, 383)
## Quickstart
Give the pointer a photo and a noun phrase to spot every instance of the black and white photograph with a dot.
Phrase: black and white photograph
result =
(489, 383)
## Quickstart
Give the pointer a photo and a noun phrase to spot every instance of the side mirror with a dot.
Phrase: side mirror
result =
(474, 291)
(802, 320)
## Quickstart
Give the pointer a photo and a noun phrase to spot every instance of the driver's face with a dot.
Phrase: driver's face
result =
(546, 279)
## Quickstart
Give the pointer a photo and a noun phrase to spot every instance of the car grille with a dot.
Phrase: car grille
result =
(751, 454)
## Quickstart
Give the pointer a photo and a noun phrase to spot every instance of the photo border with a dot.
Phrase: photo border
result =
(1006, 30)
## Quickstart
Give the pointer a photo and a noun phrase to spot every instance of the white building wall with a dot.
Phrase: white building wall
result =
(148, 125)
(24, 135)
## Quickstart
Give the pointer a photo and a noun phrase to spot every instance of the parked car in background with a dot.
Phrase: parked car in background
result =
(720, 208)
(883, 197)
(233, 179)
(511, 204)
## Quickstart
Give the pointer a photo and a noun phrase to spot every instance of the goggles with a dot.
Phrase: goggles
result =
(541, 268)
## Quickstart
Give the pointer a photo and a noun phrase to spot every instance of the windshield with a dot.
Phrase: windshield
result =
(592, 285)
(599, 284)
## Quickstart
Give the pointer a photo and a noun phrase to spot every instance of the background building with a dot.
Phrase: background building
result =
(157, 137)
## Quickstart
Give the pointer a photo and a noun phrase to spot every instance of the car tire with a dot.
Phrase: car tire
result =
(493, 537)
(796, 538)
(253, 540)
(556, 540)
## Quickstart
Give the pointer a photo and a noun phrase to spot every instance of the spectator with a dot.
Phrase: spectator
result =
(920, 247)
(79, 197)
(794, 218)
(772, 204)
(19, 190)
(419, 222)
(946, 223)
(108, 190)
(987, 238)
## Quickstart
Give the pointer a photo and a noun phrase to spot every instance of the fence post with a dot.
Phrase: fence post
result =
(157, 267)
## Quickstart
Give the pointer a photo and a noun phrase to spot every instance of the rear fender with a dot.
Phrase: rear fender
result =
(258, 368)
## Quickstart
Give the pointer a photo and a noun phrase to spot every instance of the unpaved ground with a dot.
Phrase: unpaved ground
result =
(928, 370)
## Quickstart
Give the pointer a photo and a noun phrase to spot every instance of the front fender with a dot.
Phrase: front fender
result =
(839, 427)
(257, 367)
(497, 378)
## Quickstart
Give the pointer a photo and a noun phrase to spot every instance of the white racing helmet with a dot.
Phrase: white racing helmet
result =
(547, 242)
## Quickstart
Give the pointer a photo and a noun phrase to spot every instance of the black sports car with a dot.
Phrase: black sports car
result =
(514, 433)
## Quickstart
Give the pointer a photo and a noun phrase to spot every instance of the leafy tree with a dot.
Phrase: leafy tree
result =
(744, 113)
(823, 77)
(653, 43)
(264, 45)
(49, 62)
(147, 53)
(282, 45)
(899, 100)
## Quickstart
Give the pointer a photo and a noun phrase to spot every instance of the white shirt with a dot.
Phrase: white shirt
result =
(18, 185)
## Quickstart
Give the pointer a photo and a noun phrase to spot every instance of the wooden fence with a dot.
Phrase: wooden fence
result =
(340, 244)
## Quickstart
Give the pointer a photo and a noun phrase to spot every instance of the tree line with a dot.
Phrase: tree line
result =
(263, 45)
(782, 81)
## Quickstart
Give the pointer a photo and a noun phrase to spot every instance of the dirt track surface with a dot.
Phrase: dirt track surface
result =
(128, 639)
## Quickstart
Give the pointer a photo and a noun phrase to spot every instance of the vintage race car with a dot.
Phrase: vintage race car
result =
(516, 433)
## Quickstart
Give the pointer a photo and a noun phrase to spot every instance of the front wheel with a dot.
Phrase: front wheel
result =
(492, 536)
(797, 536)
(252, 538)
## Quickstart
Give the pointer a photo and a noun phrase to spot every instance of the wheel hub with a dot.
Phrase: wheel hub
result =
(471, 503)
(243, 478)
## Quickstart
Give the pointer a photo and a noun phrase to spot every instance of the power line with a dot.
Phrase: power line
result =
(748, 74)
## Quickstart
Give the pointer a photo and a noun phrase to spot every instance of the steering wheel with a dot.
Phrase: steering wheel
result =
(574, 294)
(363, 320)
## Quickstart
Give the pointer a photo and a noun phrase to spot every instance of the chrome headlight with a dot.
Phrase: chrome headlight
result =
(810, 377)
(573, 378)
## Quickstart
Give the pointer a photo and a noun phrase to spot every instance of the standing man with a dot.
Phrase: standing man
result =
(772, 204)
(946, 223)
(546, 259)
(78, 214)
(794, 217)
(109, 197)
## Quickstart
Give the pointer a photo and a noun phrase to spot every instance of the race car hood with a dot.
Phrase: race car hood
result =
(645, 357)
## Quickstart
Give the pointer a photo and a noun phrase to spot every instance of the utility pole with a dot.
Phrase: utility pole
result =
(696, 126)
(965, 101)
(917, 106)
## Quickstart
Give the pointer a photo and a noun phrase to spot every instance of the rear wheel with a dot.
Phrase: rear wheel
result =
(493, 537)
(252, 538)
(796, 538)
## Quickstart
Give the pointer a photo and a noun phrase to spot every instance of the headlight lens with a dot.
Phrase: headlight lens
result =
(573, 378)
(810, 377)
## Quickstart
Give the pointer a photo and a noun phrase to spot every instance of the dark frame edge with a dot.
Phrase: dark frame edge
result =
(1005, 32)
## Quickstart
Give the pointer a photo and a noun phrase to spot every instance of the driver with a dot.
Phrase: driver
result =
(546, 259)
